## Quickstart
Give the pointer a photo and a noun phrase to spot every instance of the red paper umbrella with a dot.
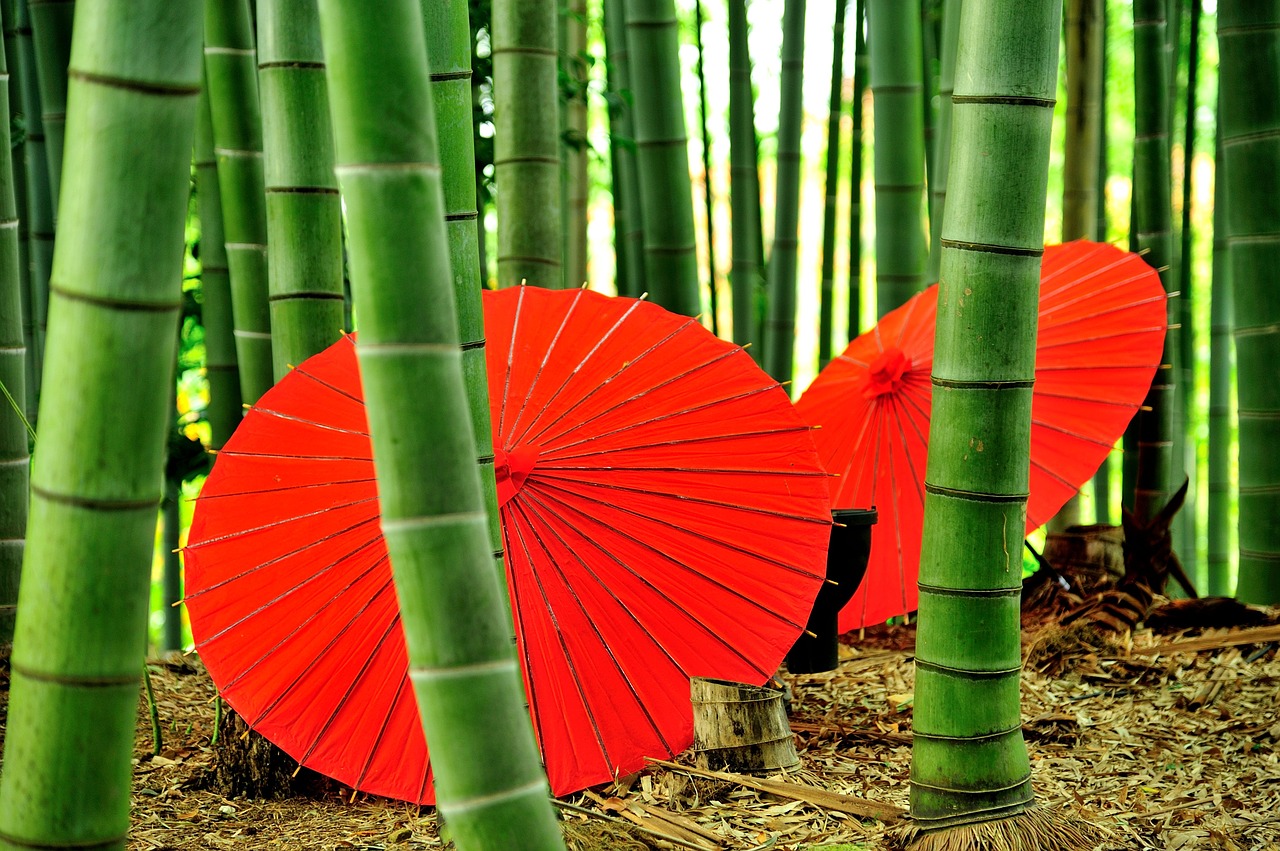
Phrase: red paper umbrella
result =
(664, 516)
(1101, 333)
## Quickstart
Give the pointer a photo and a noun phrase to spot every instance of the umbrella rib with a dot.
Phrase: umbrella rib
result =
(521, 633)
(749, 509)
(301, 370)
(525, 437)
(1092, 367)
(547, 491)
(546, 358)
(287, 488)
(1133, 301)
(293, 589)
(1053, 475)
(274, 524)
(280, 696)
(351, 687)
(653, 724)
(511, 350)
(560, 638)
(1073, 262)
(1136, 332)
(322, 540)
(271, 412)
(544, 502)
(556, 456)
(635, 397)
(1092, 400)
(737, 397)
(1060, 430)
(897, 529)
(382, 729)
(287, 456)
(879, 422)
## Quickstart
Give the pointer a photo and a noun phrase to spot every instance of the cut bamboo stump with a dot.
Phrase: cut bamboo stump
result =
(1092, 555)
(742, 728)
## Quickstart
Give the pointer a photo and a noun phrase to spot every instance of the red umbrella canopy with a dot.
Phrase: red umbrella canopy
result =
(664, 516)
(1101, 335)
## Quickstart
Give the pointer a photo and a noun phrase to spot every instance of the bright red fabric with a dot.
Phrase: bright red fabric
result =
(1101, 333)
(664, 516)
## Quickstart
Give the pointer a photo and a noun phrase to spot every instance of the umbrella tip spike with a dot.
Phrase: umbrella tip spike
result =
(811, 633)
(643, 297)
(828, 581)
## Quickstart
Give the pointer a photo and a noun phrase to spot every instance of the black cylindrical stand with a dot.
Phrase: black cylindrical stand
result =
(846, 564)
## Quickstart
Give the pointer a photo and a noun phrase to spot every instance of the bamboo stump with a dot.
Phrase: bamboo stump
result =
(742, 728)
(1092, 556)
(247, 765)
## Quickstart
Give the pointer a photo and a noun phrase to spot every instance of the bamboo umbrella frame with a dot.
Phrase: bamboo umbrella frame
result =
(13, 377)
(856, 170)
(940, 166)
(1249, 39)
(901, 249)
(526, 143)
(39, 204)
(1155, 423)
(231, 74)
(51, 35)
(746, 275)
(488, 782)
(835, 114)
(304, 213)
(780, 324)
(96, 482)
(220, 367)
(448, 40)
(969, 761)
(666, 191)
(628, 221)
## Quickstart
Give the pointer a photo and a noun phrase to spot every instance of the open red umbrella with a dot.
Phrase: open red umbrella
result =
(1101, 334)
(664, 516)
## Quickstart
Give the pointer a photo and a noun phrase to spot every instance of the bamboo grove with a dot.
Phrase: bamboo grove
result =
(339, 172)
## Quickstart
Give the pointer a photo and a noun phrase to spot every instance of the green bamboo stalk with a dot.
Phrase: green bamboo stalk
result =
(96, 482)
(489, 786)
(707, 189)
(1102, 478)
(1249, 39)
(231, 72)
(969, 761)
(901, 252)
(304, 214)
(662, 157)
(931, 84)
(1080, 166)
(940, 164)
(835, 114)
(1186, 524)
(856, 169)
(574, 78)
(221, 370)
(628, 221)
(13, 377)
(780, 323)
(448, 40)
(526, 143)
(746, 275)
(1221, 356)
(18, 158)
(39, 207)
(51, 33)
(1153, 227)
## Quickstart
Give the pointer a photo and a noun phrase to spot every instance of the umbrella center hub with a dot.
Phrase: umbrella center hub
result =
(885, 375)
(511, 469)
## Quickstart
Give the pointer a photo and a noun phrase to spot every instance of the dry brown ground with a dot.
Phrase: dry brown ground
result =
(1167, 748)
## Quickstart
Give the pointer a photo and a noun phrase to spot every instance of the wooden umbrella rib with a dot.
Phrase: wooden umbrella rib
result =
(564, 646)
(351, 687)
(333, 640)
(540, 437)
(324, 539)
(381, 560)
(284, 521)
(545, 475)
(499, 428)
(548, 492)
(1101, 367)
(545, 503)
(516, 592)
(1092, 400)
(1074, 262)
(532, 508)
(346, 394)
(264, 607)
(546, 358)
(1132, 332)
(1060, 430)
(383, 724)
(291, 456)
(555, 456)
(1087, 298)
(286, 489)
(271, 412)
(645, 395)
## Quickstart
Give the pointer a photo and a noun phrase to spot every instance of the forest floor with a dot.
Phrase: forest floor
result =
(1166, 742)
